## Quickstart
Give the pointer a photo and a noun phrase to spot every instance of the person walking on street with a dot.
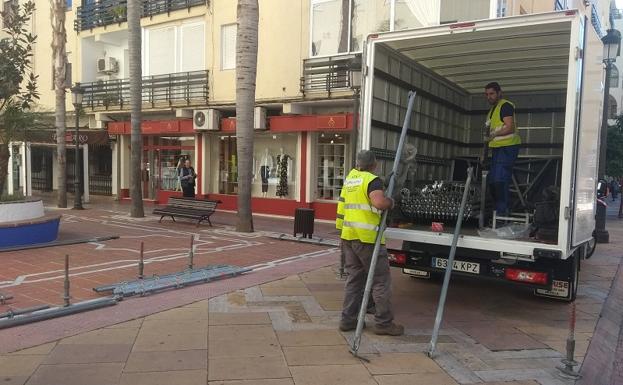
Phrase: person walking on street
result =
(359, 214)
(504, 141)
(187, 179)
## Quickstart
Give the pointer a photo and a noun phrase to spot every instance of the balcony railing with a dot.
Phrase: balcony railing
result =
(107, 12)
(329, 74)
(178, 89)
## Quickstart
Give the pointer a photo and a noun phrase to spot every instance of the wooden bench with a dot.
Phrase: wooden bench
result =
(199, 209)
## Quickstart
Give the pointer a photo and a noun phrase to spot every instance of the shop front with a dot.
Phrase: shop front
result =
(166, 145)
(299, 161)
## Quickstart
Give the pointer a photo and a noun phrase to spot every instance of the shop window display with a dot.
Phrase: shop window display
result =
(274, 167)
(162, 161)
(332, 158)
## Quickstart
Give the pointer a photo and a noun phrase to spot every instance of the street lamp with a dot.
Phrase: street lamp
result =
(612, 49)
(77, 93)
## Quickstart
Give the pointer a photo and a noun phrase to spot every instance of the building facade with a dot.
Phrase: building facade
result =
(309, 60)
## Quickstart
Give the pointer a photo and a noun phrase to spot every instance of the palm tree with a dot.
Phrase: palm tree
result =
(246, 70)
(59, 58)
(136, 141)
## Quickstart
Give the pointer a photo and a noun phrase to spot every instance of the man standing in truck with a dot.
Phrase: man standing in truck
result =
(504, 141)
(359, 214)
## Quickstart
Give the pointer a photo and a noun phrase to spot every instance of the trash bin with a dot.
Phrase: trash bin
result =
(304, 222)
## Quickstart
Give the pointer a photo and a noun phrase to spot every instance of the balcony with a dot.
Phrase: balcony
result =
(159, 91)
(108, 12)
(330, 74)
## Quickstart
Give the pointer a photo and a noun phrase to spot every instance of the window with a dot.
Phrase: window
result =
(68, 5)
(341, 26)
(228, 46)
(501, 9)
(613, 80)
(560, 5)
(175, 48)
(612, 107)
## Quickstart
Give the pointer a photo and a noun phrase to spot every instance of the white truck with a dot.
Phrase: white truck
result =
(550, 66)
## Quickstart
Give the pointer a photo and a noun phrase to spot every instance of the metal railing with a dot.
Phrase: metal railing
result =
(182, 88)
(329, 74)
(100, 184)
(107, 12)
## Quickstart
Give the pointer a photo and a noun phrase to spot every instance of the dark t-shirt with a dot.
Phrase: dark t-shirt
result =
(507, 109)
(376, 184)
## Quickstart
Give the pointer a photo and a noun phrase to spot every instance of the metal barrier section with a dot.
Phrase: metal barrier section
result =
(177, 280)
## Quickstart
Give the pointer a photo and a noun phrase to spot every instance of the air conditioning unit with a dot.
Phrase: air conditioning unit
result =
(206, 120)
(259, 118)
(107, 65)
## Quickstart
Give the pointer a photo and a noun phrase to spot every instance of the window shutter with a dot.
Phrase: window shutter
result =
(193, 47)
(228, 46)
(161, 51)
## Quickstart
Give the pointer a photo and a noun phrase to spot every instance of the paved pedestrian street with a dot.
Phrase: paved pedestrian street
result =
(276, 325)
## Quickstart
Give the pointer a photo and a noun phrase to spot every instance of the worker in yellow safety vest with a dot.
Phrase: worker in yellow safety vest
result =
(504, 141)
(358, 217)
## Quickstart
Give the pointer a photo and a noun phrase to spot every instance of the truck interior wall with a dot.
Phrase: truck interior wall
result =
(438, 122)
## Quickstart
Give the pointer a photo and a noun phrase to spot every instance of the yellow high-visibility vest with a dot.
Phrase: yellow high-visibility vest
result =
(361, 220)
(496, 122)
(339, 218)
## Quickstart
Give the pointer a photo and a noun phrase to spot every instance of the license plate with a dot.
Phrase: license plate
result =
(559, 289)
(417, 273)
(466, 267)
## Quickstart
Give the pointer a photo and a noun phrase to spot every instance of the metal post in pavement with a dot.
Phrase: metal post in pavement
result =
(141, 262)
(191, 253)
(382, 225)
(446, 278)
(66, 297)
(569, 362)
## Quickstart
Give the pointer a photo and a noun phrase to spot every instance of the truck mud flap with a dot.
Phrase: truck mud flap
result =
(564, 289)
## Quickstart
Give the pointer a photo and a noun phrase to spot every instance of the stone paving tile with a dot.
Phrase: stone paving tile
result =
(134, 324)
(254, 318)
(120, 336)
(319, 355)
(186, 377)
(247, 368)
(332, 375)
(278, 381)
(244, 348)
(41, 349)
(167, 361)
(401, 363)
(416, 379)
(181, 313)
(310, 337)
(77, 374)
(285, 291)
(19, 365)
(155, 326)
(241, 333)
(529, 382)
(87, 354)
(151, 342)
(294, 282)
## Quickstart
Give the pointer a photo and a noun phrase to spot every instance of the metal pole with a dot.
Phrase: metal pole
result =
(77, 197)
(569, 362)
(141, 263)
(446, 278)
(601, 234)
(191, 253)
(382, 226)
(66, 284)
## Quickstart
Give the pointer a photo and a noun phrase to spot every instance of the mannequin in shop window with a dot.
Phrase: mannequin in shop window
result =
(266, 165)
(282, 173)
(187, 179)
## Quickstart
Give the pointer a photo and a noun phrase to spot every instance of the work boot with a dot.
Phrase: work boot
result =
(348, 326)
(389, 330)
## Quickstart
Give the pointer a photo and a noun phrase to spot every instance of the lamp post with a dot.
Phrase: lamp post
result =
(77, 93)
(612, 48)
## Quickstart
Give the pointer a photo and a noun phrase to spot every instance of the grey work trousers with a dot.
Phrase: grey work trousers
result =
(358, 256)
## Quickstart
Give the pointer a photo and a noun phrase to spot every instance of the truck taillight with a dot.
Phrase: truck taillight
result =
(526, 276)
(397, 257)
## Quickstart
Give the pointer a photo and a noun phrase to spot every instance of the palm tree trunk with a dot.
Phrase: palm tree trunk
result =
(344, 32)
(136, 140)
(246, 70)
(59, 57)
